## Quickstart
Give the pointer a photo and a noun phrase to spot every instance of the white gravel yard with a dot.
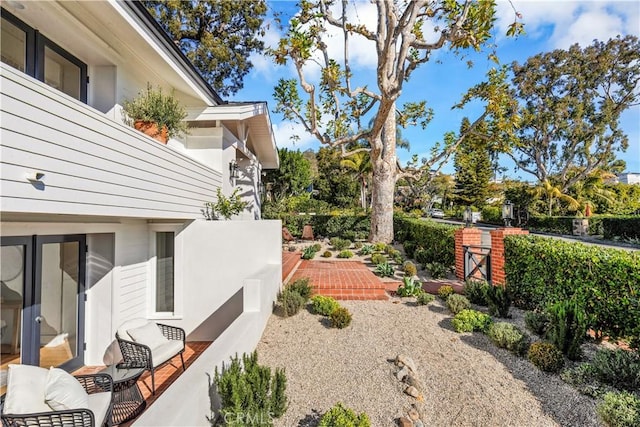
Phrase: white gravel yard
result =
(467, 380)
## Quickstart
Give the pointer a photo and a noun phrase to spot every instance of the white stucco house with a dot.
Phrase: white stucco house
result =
(101, 224)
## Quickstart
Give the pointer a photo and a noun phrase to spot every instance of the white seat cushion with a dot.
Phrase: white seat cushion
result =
(99, 404)
(26, 386)
(64, 392)
(130, 324)
(149, 335)
(166, 351)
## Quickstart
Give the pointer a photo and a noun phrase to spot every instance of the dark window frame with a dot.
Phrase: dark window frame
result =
(36, 43)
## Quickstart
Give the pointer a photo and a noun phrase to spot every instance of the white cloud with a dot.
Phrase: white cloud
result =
(284, 131)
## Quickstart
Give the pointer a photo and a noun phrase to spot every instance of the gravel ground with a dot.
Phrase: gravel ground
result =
(467, 380)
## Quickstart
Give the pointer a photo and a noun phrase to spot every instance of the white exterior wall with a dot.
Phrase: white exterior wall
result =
(220, 257)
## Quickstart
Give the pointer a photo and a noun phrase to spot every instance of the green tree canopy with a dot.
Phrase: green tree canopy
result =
(472, 162)
(293, 177)
(334, 183)
(571, 106)
(218, 36)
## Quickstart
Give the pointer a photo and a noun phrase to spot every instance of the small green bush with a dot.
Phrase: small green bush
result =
(445, 291)
(456, 303)
(248, 391)
(340, 244)
(335, 241)
(384, 270)
(437, 270)
(618, 368)
(301, 286)
(379, 247)
(498, 301)
(475, 291)
(409, 287)
(308, 253)
(326, 254)
(620, 409)
(291, 301)
(389, 249)
(583, 379)
(470, 321)
(378, 259)
(316, 247)
(366, 250)
(410, 269)
(358, 245)
(345, 254)
(324, 305)
(340, 416)
(424, 298)
(567, 327)
(546, 356)
(506, 335)
(398, 258)
(537, 322)
(340, 318)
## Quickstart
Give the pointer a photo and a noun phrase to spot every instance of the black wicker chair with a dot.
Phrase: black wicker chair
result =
(137, 355)
(96, 383)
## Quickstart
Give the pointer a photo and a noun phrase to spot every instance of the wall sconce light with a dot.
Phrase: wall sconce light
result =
(507, 213)
(467, 216)
(233, 169)
(34, 176)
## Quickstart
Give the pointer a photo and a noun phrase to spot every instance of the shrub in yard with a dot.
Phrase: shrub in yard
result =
(618, 368)
(444, 291)
(567, 327)
(340, 318)
(248, 391)
(326, 254)
(302, 287)
(388, 249)
(537, 322)
(583, 378)
(437, 270)
(378, 259)
(340, 244)
(324, 305)
(475, 291)
(340, 416)
(345, 254)
(291, 301)
(409, 248)
(384, 270)
(498, 301)
(379, 247)
(366, 250)
(546, 356)
(620, 409)
(424, 298)
(398, 258)
(409, 269)
(506, 335)
(470, 321)
(308, 253)
(456, 303)
(409, 287)
(316, 247)
(437, 239)
(358, 245)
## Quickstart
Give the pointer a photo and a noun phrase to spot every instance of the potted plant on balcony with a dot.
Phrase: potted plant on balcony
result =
(156, 113)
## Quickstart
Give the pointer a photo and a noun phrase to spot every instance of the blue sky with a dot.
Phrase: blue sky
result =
(549, 25)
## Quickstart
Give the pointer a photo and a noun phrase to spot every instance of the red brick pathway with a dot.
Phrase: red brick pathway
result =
(346, 280)
(289, 262)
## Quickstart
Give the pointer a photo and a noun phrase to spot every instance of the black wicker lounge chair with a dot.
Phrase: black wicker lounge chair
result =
(142, 350)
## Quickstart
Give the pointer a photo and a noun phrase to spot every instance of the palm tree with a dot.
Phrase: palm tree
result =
(591, 189)
(552, 192)
(360, 163)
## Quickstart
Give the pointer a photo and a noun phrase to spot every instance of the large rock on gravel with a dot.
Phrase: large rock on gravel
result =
(405, 422)
(413, 392)
(402, 361)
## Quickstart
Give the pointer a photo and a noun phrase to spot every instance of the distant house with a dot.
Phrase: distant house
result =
(100, 223)
(629, 178)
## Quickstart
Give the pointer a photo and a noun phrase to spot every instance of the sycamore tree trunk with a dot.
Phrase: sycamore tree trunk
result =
(383, 163)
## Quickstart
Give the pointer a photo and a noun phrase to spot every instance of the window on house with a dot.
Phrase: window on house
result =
(32, 53)
(164, 272)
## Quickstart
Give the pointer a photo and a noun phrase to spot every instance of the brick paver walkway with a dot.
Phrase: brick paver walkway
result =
(347, 280)
(290, 261)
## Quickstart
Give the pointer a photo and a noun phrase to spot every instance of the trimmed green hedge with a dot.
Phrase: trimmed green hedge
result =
(541, 271)
(628, 227)
(343, 226)
(435, 239)
(492, 215)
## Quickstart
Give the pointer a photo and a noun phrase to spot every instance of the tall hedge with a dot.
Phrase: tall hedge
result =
(541, 271)
(628, 227)
(350, 227)
(436, 239)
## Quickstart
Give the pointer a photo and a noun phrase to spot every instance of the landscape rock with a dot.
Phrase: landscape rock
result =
(413, 392)
(405, 422)
(402, 373)
(402, 360)
(413, 414)
(411, 380)
(418, 423)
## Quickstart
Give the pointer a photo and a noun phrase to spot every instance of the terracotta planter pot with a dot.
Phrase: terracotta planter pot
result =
(151, 129)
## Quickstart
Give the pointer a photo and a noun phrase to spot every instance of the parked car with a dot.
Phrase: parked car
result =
(436, 213)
